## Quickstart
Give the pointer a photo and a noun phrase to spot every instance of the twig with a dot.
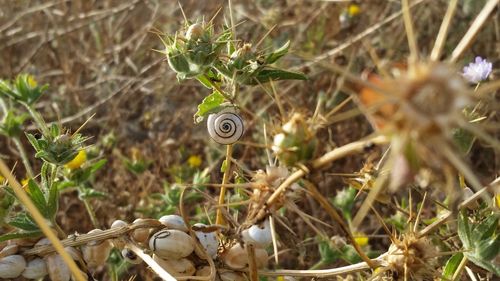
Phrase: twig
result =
(324, 272)
(474, 28)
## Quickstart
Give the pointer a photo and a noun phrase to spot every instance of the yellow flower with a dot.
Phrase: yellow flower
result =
(280, 278)
(24, 182)
(194, 161)
(497, 199)
(353, 10)
(1, 178)
(31, 81)
(361, 239)
(77, 162)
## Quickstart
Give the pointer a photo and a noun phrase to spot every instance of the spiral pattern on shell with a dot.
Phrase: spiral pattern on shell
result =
(225, 127)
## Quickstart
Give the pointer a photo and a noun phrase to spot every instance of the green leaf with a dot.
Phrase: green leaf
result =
(486, 228)
(36, 195)
(209, 104)
(17, 235)
(53, 202)
(91, 193)
(267, 75)
(494, 268)
(24, 222)
(488, 249)
(451, 266)
(33, 141)
(464, 231)
(277, 54)
(463, 139)
(97, 165)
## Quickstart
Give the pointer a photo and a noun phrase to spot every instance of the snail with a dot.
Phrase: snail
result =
(258, 235)
(225, 127)
(174, 222)
(140, 235)
(96, 253)
(130, 256)
(12, 266)
(236, 257)
(208, 240)
(171, 244)
(35, 269)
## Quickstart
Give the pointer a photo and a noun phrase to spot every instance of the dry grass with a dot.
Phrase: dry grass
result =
(98, 58)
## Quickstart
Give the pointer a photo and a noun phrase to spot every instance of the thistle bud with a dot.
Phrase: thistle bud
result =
(194, 31)
(296, 143)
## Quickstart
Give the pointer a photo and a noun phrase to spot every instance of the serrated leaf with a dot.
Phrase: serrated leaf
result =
(17, 235)
(451, 266)
(464, 231)
(36, 195)
(24, 222)
(277, 54)
(209, 104)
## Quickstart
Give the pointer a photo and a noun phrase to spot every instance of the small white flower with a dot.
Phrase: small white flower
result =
(478, 70)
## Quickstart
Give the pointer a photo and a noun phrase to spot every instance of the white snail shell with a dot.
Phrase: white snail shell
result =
(258, 235)
(12, 266)
(35, 269)
(171, 244)
(174, 222)
(225, 127)
(208, 240)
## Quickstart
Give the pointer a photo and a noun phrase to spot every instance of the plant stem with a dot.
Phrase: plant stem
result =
(90, 211)
(24, 156)
(225, 179)
(38, 120)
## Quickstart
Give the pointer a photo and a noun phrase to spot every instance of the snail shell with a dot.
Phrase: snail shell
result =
(236, 257)
(178, 268)
(225, 127)
(96, 253)
(258, 235)
(35, 269)
(118, 242)
(12, 266)
(140, 235)
(208, 240)
(171, 244)
(130, 256)
(174, 222)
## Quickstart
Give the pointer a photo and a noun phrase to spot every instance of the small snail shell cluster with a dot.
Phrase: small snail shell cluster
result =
(225, 127)
(169, 240)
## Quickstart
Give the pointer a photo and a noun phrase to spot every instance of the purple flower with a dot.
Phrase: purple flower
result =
(478, 70)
